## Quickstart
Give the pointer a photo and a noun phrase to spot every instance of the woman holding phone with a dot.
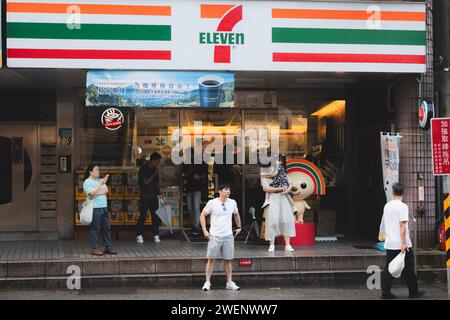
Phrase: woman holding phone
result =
(95, 188)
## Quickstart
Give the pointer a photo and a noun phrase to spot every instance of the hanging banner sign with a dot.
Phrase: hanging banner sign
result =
(160, 89)
(441, 146)
(390, 158)
(218, 35)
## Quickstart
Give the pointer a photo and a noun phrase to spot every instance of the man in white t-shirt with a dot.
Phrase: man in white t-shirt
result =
(394, 230)
(220, 235)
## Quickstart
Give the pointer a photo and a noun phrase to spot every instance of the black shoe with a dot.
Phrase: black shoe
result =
(195, 232)
(388, 296)
(417, 295)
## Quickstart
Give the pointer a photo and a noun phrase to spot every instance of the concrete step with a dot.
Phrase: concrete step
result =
(244, 279)
(148, 265)
(28, 236)
(260, 270)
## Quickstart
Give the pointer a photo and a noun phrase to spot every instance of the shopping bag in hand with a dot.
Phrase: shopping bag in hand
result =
(164, 212)
(87, 212)
(397, 265)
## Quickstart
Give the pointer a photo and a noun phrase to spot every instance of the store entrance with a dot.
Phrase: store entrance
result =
(311, 130)
(214, 133)
(315, 130)
(18, 179)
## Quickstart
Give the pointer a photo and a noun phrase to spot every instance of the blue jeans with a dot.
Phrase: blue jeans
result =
(193, 202)
(100, 222)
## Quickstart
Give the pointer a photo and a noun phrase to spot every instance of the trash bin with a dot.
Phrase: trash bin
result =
(305, 235)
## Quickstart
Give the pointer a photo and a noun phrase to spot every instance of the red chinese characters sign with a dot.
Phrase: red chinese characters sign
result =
(440, 128)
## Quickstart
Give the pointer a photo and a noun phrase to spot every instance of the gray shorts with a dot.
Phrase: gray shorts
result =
(220, 248)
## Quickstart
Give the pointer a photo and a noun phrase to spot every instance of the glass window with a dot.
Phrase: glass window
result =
(144, 131)
(218, 131)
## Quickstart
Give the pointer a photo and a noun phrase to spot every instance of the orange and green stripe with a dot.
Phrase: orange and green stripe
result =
(214, 11)
(152, 39)
(278, 13)
(19, 7)
(348, 36)
(403, 31)
(89, 31)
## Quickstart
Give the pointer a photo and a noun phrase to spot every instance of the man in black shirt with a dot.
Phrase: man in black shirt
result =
(149, 194)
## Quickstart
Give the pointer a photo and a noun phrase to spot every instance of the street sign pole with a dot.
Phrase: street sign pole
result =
(446, 189)
(448, 284)
(440, 144)
(447, 237)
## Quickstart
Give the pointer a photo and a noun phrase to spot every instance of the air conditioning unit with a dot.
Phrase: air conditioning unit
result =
(256, 99)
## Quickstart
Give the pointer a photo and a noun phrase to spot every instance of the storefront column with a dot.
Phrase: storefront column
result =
(415, 161)
(65, 148)
(351, 142)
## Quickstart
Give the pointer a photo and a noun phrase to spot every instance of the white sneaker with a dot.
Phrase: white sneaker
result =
(207, 286)
(157, 240)
(271, 249)
(140, 239)
(289, 248)
(232, 286)
(265, 204)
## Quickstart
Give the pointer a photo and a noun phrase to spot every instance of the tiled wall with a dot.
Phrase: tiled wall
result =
(415, 150)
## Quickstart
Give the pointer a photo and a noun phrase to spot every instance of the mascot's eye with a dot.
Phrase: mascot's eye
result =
(303, 185)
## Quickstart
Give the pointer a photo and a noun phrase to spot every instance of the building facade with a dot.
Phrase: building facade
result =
(328, 75)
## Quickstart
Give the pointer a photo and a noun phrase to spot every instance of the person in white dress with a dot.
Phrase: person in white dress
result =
(280, 220)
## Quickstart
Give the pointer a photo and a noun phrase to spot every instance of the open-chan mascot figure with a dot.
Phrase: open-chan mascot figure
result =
(307, 180)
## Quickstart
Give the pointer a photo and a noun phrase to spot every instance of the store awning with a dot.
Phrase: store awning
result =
(289, 36)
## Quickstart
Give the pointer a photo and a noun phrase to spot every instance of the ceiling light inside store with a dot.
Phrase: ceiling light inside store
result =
(330, 109)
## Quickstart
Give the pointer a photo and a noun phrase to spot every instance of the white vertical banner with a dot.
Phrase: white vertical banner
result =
(390, 158)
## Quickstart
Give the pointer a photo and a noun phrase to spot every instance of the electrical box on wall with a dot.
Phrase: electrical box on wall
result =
(65, 163)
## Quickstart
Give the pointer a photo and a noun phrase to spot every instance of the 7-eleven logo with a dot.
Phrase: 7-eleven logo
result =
(223, 38)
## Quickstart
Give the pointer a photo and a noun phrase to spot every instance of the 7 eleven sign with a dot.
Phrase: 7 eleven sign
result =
(223, 38)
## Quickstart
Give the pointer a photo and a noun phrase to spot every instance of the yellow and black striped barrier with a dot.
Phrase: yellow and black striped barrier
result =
(447, 227)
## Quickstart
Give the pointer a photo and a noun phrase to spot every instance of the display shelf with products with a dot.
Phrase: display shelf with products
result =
(123, 198)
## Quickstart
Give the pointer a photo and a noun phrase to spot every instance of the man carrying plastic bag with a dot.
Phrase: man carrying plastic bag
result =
(394, 230)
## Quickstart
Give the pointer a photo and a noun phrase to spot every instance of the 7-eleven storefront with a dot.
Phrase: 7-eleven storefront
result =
(324, 74)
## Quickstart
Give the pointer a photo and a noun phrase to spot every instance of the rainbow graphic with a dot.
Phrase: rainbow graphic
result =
(309, 168)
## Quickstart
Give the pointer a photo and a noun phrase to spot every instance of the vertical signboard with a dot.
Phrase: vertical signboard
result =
(440, 144)
(390, 157)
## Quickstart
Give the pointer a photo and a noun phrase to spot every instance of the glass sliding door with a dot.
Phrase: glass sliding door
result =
(214, 133)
